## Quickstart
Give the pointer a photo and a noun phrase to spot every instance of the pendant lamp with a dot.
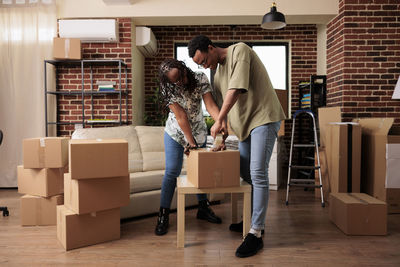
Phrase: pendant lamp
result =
(273, 20)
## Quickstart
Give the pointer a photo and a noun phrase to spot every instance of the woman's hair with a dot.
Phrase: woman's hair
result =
(166, 87)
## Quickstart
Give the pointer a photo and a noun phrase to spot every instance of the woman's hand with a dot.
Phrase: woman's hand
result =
(188, 148)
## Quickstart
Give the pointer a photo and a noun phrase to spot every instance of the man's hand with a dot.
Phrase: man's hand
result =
(219, 127)
(220, 147)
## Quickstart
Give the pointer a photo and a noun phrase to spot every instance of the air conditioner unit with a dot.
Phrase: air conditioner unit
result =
(89, 30)
(146, 42)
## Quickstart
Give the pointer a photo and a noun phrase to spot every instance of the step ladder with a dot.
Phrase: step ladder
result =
(304, 182)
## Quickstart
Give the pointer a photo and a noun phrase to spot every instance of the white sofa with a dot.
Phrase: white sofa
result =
(146, 166)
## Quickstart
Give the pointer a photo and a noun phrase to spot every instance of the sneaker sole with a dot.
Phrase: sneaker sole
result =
(250, 253)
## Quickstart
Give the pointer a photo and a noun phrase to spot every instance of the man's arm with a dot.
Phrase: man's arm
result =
(230, 99)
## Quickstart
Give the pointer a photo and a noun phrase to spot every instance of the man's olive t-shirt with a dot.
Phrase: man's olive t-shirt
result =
(258, 104)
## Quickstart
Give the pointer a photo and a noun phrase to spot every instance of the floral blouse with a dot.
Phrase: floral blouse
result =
(191, 103)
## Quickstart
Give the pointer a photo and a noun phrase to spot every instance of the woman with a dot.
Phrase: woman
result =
(182, 91)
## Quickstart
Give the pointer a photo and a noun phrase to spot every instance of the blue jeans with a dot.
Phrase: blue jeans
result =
(173, 167)
(255, 153)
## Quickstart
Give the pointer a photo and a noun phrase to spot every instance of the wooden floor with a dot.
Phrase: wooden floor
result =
(298, 235)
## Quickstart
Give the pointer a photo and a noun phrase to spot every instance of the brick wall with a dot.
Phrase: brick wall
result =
(105, 106)
(303, 45)
(363, 58)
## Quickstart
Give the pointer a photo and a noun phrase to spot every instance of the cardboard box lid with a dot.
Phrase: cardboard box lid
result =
(97, 141)
(375, 126)
(357, 198)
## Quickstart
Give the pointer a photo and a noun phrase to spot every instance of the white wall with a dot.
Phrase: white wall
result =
(321, 49)
(194, 12)
(137, 82)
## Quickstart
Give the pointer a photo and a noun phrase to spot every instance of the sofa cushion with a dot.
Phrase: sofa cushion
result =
(126, 132)
(146, 181)
(151, 141)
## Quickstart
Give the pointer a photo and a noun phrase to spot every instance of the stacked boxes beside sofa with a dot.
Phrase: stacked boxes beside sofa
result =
(95, 188)
(40, 178)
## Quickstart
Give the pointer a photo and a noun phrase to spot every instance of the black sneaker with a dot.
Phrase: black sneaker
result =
(238, 227)
(250, 246)
(205, 213)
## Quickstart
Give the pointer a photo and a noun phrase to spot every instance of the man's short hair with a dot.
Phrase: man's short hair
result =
(200, 42)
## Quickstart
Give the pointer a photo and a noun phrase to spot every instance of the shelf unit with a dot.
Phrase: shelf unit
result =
(121, 90)
(312, 95)
(314, 91)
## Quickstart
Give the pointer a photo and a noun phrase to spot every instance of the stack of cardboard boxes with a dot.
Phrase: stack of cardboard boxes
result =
(41, 179)
(361, 165)
(95, 188)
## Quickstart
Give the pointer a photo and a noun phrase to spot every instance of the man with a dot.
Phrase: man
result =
(254, 112)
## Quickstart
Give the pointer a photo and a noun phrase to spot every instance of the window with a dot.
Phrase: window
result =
(274, 55)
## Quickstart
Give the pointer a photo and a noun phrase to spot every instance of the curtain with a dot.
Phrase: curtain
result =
(27, 29)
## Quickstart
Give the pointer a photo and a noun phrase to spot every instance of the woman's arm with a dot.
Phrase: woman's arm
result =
(183, 122)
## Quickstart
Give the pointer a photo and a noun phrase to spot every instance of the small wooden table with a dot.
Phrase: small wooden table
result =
(185, 187)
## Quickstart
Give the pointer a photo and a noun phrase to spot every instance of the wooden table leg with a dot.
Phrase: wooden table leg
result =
(246, 212)
(181, 220)
(234, 207)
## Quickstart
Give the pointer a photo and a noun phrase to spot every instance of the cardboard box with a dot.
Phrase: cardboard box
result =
(67, 48)
(39, 210)
(43, 182)
(100, 158)
(377, 133)
(75, 231)
(47, 152)
(344, 159)
(91, 195)
(208, 169)
(283, 99)
(325, 116)
(358, 213)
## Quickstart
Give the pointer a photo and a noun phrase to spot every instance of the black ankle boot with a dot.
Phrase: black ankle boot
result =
(162, 222)
(205, 213)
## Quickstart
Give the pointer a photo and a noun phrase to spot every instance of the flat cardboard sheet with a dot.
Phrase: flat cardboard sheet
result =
(392, 166)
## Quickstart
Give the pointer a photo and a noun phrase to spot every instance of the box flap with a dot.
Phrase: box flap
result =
(376, 126)
(367, 199)
(346, 198)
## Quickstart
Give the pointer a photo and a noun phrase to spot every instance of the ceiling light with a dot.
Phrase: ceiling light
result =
(273, 20)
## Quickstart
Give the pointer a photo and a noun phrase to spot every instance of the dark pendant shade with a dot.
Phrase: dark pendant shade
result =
(273, 20)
